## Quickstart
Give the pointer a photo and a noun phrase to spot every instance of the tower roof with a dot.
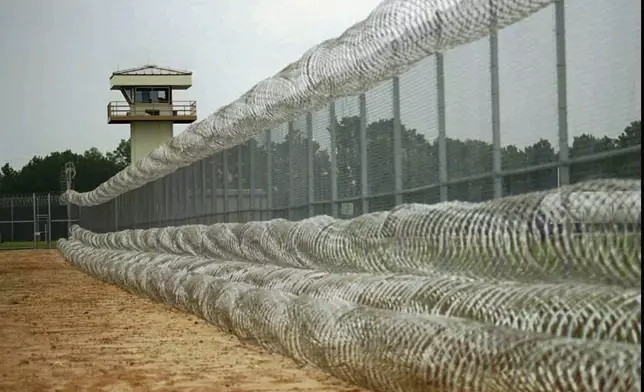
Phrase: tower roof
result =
(151, 70)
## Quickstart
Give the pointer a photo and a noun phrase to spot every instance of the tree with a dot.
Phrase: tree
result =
(347, 156)
(290, 165)
(466, 158)
(632, 135)
(42, 174)
(121, 156)
(629, 166)
(419, 157)
(8, 177)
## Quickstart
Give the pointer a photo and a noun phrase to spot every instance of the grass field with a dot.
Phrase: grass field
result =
(62, 330)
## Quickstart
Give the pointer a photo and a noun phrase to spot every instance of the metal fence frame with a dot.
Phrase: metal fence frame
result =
(46, 211)
(184, 197)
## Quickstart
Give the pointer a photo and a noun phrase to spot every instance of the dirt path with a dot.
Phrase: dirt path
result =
(62, 330)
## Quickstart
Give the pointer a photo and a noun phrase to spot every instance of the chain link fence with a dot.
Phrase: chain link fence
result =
(35, 221)
(511, 113)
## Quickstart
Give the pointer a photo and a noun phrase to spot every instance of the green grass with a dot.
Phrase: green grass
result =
(26, 245)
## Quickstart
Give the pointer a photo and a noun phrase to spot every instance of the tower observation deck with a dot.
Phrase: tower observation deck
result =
(149, 107)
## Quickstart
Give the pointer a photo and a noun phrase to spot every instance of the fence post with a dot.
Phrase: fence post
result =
(213, 180)
(134, 203)
(68, 186)
(152, 204)
(332, 156)
(165, 199)
(195, 199)
(172, 200)
(240, 182)
(132, 196)
(252, 147)
(35, 217)
(204, 190)
(398, 175)
(49, 220)
(442, 127)
(188, 191)
(150, 188)
(289, 149)
(563, 172)
(178, 206)
(269, 173)
(11, 215)
(127, 213)
(131, 215)
(157, 190)
(116, 213)
(364, 159)
(144, 205)
(310, 176)
(496, 106)
(120, 221)
(226, 175)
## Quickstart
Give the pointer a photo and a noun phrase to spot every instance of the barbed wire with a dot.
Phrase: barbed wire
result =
(380, 349)
(27, 200)
(588, 311)
(587, 232)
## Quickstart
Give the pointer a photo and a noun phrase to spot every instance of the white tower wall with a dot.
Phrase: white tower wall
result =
(145, 136)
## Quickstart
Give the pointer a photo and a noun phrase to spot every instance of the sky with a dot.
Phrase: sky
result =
(56, 58)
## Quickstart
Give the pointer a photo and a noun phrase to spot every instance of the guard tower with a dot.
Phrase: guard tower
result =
(148, 106)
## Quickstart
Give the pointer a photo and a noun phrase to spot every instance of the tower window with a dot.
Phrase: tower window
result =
(152, 95)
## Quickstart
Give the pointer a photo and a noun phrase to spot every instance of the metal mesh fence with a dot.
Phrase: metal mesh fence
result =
(396, 36)
(34, 221)
(504, 115)
(418, 203)
(571, 233)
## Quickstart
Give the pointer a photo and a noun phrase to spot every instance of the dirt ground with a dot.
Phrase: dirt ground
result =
(61, 330)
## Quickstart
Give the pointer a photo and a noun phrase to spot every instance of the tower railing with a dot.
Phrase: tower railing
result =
(122, 111)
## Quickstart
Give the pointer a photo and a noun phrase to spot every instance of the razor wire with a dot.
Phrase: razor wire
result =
(380, 349)
(395, 36)
(452, 321)
(587, 232)
(587, 311)
(536, 292)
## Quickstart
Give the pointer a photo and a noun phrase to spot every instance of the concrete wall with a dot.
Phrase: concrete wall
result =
(148, 135)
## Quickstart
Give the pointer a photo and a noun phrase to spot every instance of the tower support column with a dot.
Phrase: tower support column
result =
(145, 136)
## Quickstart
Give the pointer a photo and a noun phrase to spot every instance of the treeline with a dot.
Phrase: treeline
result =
(420, 164)
(44, 174)
(419, 157)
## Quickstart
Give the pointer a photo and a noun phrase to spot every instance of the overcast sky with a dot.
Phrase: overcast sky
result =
(57, 57)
